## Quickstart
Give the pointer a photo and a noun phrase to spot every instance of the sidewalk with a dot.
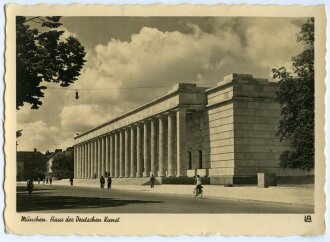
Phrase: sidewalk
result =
(300, 195)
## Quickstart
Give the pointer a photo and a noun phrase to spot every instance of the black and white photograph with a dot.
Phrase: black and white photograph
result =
(165, 114)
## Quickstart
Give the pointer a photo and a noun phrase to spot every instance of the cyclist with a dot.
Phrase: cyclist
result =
(198, 182)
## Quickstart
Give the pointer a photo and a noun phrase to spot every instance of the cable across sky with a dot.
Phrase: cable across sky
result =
(107, 88)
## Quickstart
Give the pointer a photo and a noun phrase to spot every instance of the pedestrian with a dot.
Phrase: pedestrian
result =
(29, 186)
(102, 181)
(109, 181)
(152, 181)
(71, 181)
(50, 180)
(47, 180)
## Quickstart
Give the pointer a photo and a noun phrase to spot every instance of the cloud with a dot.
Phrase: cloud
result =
(66, 33)
(39, 135)
(272, 44)
(108, 82)
(79, 118)
(154, 58)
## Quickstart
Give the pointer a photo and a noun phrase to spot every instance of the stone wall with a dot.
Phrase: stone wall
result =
(198, 139)
(243, 119)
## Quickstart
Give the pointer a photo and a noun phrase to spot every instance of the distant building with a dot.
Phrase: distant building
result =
(226, 133)
(63, 172)
(30, 164)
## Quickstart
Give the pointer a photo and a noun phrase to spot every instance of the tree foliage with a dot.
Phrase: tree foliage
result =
(296, 96)
(19, 133)
(41, 55)
(62, 165)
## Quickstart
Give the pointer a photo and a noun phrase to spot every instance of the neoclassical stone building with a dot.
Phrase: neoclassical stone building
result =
(225, 133)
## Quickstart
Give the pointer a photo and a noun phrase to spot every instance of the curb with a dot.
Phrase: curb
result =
(207, 196)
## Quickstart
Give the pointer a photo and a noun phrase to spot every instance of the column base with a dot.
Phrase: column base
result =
(161, 174)
(234, 179)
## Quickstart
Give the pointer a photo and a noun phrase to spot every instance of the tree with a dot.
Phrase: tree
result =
(41, 55)
(62, 165)
(296, 96)
(19, 133)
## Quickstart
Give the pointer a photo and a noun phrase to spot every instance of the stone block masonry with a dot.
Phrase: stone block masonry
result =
(226, 133)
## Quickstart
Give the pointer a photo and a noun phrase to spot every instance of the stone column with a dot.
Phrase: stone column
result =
(95, 159)
(122, 153)
(127, 152)
(181, 149)
(82, 167)
(81, 160)
(102, 156)
(99, 157)
(107, 153)
(117, 154)
(112, 155)
(90, 159)
(146, 148)
(86, 160)
(75, 161)
(133, 152)
(171, 144)
(153, 147)
(139, 150)
(161, 147)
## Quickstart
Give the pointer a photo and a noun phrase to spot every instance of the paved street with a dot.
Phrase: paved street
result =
(66, 199)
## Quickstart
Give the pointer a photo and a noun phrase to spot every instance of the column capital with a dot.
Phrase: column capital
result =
(170, 113)
(139, 123)
(133, 126)
(180, 109)
(151, 119)
(146, 121)
(161, 116)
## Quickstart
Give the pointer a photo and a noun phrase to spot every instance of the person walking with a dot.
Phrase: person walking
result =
(109, 181)
(29, 186)
(152, 181)
(102, 181)
(50, 180)
(71, 181)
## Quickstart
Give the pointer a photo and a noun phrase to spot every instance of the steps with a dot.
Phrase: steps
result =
(135, 181)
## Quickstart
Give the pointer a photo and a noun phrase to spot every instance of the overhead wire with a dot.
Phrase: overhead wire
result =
(106, 88)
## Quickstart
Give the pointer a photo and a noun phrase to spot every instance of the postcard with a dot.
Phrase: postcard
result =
(165, 120)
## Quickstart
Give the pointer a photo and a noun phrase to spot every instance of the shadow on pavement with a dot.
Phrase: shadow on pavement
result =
(22, 189)
(39, 202)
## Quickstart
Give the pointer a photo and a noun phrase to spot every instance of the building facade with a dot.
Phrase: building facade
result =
(225, 133)
(30, 164)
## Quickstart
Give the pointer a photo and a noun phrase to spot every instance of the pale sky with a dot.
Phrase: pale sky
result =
(151, 51)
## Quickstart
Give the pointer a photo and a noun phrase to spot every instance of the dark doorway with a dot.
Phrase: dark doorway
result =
(200, 158)
(189, 161)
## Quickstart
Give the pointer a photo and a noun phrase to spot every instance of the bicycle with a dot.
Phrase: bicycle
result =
(197, 192)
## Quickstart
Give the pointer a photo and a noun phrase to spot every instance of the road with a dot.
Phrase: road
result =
(66, 199)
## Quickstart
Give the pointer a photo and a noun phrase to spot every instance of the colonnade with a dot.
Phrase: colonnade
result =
(154, 146)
